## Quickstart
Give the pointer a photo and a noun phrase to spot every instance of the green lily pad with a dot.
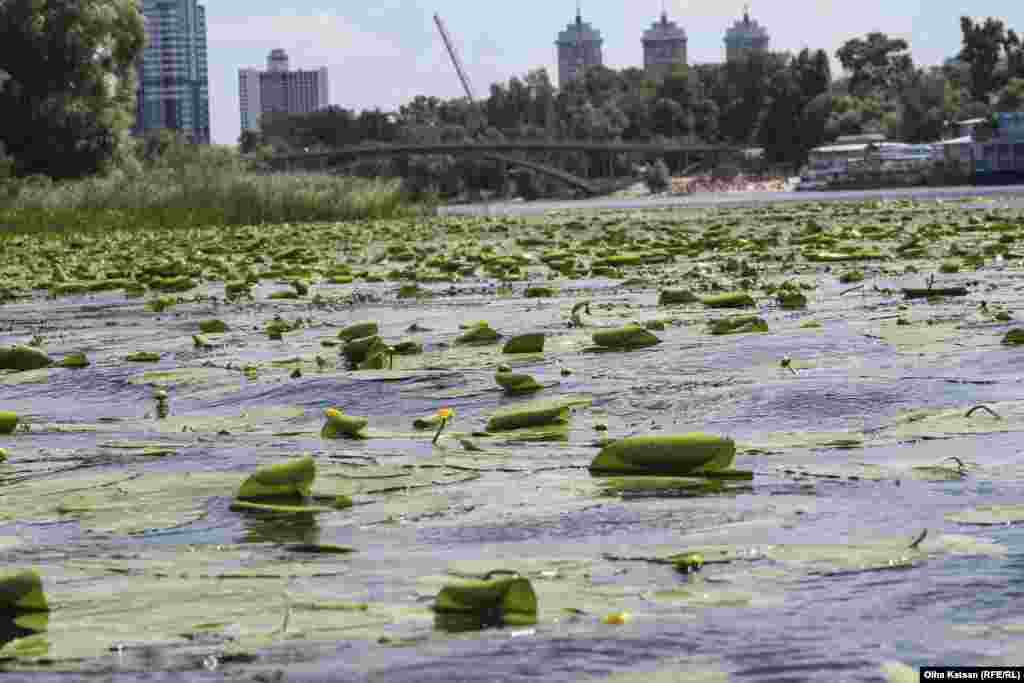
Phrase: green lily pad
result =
(340, 425)
(525, 343)
(625, 338)
(515, 383)
(213, 326)
(670, 297)
(359, 331)
(23, 358)
(729, 300)
(8, 421)
(74, 360)
(143, 357)
(480, 333)
(673, 454)
(22, 591)
(738, 325)
(532, 414)
(294, 478)
(508, 600)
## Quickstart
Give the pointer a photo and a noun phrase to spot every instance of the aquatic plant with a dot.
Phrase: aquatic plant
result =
(677, 454)
(8, 421)
(508, 600)
(339, 425)
(625, 338)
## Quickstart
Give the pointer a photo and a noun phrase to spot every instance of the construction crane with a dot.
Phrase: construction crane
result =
(454, 54)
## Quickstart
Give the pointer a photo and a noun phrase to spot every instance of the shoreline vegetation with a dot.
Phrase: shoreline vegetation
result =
(192, 187)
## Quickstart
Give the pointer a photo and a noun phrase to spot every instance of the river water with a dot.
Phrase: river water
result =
(762, 617)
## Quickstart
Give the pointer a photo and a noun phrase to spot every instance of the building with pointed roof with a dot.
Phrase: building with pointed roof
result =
(664, 48)
(579, 49)
(744, 37)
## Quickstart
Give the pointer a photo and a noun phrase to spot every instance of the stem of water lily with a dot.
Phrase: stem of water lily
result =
(440, 429)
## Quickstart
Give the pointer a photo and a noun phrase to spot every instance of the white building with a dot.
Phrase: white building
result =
(279, 90)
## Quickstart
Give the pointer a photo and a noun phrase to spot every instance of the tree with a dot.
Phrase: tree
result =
(70, 97)
(874, 63)
(1011, 98)
(982, 45)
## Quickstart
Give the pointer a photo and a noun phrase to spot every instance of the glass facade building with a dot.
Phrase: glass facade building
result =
(173, 86)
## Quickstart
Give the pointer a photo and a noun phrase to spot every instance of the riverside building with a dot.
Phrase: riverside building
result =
(745, 37)
(279, 90)
(579, 49)
(173, 89)
(664, 48)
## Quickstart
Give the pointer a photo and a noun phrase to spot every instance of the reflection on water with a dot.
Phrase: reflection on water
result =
(13, 626)
(263, 527)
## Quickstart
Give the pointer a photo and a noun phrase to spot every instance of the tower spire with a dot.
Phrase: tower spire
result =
(579, 14)
(746, 13)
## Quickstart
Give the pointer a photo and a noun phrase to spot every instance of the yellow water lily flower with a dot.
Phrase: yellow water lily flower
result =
(332, 413)
(445, 413)
(617, 618)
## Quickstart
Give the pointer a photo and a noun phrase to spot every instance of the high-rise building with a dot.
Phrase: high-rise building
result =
(579, 49)
(664, 48)
(279, 90)
(173, 87)
(744, 38)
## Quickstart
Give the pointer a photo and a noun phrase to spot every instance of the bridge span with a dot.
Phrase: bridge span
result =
(502, 151)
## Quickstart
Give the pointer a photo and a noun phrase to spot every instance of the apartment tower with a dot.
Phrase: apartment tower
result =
(173, 89)
(579, 49)
(279, 90)
(744, 38)
(664, 48)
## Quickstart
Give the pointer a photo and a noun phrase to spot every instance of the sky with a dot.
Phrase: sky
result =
(382, 53)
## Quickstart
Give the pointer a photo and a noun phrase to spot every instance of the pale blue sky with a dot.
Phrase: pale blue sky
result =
(384, 52)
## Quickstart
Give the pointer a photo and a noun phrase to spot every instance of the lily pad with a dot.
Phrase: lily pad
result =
(525, 343)
(505, 600)
(516, 383)
(288, 479)
(23, 358)
(22, 591)
(340, 425)
(532, 414)
(673, 454)
(625, 338)
(8, 421)
(729, 300)
(359, 331)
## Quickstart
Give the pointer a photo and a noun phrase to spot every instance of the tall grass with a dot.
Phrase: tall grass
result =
(203, 190)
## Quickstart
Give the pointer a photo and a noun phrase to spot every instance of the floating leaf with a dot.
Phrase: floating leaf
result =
(625, 338)
(8, 421)
(671, 454)
(525, 343)
(22, 591)
(294, 478)
(23, 358)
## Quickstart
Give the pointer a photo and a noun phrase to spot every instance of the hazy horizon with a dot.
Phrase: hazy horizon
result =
(385, 54)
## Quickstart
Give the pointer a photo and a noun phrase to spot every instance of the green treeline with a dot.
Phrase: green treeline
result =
(785, 103)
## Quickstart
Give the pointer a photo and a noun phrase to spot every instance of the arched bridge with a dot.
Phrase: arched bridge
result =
(500, 151)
